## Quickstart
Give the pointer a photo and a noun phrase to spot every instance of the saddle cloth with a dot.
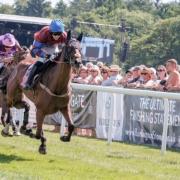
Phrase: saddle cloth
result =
(26, 75)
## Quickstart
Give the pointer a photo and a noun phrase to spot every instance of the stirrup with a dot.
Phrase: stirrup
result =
(27, 87)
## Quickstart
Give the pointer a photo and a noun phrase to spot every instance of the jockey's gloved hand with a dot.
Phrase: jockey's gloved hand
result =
(24, 48)
(48, 56)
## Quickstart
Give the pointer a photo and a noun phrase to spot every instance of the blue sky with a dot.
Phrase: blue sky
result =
(55, 1)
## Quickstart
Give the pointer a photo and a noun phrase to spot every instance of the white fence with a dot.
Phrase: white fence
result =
(136, 92)
(117, 90)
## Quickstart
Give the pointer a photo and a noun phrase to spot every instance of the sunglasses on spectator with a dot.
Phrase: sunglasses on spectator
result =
(144, 73)
(56, 33)
(83, 71)
(160, 70)
(112, 71)
(93, 71)
(104, 72)
(7, 47)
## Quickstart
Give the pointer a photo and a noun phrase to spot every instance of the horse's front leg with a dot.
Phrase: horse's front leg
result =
(5, 132)
(39, 133)
(4, 112)
(26, 107)
(67, 115)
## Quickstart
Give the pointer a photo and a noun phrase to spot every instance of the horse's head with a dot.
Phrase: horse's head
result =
(72, 50)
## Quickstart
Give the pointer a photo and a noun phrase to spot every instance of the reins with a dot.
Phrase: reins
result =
(44, 87)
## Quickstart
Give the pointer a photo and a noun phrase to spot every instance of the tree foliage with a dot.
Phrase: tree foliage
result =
(153, 26)
(6, 9)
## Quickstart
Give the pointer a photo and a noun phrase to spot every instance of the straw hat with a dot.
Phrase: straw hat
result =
(100, 64)
(135, 68)
(95, 67)
(89, 65)
(8, 40)
(83, 68)
(115, 68)
(105, 68)
(146, 70)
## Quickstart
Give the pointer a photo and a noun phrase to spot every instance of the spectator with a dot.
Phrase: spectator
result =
(126, 79)
(173, 81)
(100, 64)
(74, 74)
(161, 73)
(89, 66)
(83, 76)
(146, 79)
(153, 74)
(105, 73)
(136, 72)
(96, 76)
(114, 76)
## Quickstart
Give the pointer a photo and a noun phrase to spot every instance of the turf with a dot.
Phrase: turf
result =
(84, 158)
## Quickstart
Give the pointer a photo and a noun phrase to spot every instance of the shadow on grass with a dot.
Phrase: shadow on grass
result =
(8, 158)
(144, 146)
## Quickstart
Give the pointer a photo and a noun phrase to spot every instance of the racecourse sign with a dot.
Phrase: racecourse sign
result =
(144, 117)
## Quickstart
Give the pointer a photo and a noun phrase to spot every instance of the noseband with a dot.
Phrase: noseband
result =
(72, 45)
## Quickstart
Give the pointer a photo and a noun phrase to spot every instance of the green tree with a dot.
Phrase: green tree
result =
(6, 9)
(144, 5)
(20, 7)
(60, 9)
(167, 10)
(39, 8)
(158, 46)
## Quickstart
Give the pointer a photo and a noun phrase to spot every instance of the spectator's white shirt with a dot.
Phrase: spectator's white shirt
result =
(110, 81)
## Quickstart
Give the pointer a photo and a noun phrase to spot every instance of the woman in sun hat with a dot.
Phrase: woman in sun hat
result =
(8, 45)
(96, 76)
(114, 76)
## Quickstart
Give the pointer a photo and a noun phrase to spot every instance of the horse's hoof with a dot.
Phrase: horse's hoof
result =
(65, 138)
(28, 132)
(42, 149)
(16, 133)
(6, 134)
(25, 131)
(31, 135)
(22, 130)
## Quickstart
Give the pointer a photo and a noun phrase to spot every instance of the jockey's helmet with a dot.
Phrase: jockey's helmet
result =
(56, 26)
(8, 40)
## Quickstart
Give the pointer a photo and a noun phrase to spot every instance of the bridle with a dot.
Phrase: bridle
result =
(71, 46)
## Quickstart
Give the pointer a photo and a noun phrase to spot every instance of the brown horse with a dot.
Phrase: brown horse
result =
(9, 66)
(52, 92)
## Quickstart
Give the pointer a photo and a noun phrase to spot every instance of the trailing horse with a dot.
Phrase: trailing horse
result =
(52, 92)
(9, 66)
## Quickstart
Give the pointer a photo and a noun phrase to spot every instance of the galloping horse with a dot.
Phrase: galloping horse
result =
(52, 92)
(10, 65)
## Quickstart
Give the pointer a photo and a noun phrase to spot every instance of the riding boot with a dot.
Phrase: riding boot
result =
(46, 65)
(33, 72)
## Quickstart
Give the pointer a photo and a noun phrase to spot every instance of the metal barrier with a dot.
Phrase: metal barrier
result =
(136, 92)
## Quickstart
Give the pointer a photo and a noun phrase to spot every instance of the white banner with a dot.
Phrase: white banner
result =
(106, 103)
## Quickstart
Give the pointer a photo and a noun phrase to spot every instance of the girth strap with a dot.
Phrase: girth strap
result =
(51, 93)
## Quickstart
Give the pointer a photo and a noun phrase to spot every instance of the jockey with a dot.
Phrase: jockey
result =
(8, 47)
(45, 43)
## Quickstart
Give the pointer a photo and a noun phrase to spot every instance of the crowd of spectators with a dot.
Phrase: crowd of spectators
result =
(163, 78)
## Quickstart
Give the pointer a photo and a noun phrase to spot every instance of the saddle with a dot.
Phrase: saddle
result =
(47, 65)
(9, 65)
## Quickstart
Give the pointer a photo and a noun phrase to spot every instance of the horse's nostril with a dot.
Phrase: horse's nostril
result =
(77, 55)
